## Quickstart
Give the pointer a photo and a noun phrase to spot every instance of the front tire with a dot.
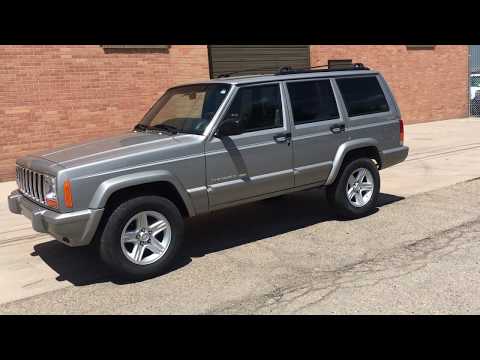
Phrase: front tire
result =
(355, 191)
(142, 237)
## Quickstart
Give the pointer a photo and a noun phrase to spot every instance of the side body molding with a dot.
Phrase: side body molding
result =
(343, 150)
(108, 187)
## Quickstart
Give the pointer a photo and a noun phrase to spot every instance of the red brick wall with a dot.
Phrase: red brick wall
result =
(56, 95)
(427, 84)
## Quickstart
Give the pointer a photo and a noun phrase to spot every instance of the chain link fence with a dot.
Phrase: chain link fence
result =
(474, 81)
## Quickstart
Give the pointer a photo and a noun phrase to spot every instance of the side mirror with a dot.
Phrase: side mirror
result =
(229, 127)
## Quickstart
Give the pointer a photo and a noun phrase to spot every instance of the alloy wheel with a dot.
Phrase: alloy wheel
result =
(360, 186)
(146, 237)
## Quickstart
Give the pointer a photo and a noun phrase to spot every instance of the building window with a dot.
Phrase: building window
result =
(129, 49)
(135, 46)
(420, 47)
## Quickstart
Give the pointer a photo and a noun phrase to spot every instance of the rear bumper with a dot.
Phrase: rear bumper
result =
(73, 229)
(394, 156)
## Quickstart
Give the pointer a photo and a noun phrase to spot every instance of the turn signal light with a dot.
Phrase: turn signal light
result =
(67, 194)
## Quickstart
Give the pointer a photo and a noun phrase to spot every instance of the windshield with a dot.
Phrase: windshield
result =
(187, 109)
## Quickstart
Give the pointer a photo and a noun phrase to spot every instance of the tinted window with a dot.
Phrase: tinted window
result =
(258, 107)
(312, 101)
(362, 96)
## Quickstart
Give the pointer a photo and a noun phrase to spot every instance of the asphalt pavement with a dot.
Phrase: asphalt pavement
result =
(416, 254)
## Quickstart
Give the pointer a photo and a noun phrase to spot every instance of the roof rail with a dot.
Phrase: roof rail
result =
(266, 68)
(288, 70)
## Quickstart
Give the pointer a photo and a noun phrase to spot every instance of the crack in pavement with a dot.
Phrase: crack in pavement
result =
(314, 287)
(24, 238)
(311, 265)
(438, 154)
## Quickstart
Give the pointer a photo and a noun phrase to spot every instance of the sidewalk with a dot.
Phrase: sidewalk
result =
(441, 153)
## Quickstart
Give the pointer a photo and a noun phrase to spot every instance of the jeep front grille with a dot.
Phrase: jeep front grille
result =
(31, 184)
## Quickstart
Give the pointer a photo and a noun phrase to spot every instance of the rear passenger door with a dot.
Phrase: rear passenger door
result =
(318, 128)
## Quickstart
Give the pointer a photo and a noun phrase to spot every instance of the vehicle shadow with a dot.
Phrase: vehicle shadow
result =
(206, 234)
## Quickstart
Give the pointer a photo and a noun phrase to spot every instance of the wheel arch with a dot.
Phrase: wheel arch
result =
(152, 182)
(354, 149)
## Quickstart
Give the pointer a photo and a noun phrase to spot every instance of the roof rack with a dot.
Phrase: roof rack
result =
(226, 75)
(285, 70)
(288, 70)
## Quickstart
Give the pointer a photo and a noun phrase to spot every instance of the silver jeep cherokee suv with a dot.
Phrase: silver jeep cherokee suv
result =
(210, 145)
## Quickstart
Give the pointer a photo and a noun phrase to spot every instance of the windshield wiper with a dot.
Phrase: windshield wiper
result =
(169, 128)
(141, 127)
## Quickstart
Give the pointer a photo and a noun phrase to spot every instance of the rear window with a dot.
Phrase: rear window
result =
(362, 96)
(312, 101)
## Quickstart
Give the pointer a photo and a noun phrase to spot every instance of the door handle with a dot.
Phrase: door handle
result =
(337, 128)
(282, 137)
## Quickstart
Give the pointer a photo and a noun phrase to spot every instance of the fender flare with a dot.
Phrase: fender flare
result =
(108, 187)
(343, 150)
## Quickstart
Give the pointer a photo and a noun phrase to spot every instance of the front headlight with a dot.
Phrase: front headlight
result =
(50, 191)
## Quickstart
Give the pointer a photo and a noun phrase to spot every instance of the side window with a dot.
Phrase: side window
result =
(257, 107)
(312, 101)
(362, 96)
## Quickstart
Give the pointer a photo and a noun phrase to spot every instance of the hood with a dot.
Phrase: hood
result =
(112, 148)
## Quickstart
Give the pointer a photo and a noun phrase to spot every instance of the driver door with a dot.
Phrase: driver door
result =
(259, 160)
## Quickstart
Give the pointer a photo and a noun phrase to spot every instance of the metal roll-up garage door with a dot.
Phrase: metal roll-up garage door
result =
(232, 58)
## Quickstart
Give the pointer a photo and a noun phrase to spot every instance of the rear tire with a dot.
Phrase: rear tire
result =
(354, 192)
(142, 237)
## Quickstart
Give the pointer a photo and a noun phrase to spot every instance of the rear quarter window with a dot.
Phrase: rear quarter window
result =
(362, 96)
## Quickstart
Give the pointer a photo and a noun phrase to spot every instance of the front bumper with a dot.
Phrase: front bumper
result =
(73, 229)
